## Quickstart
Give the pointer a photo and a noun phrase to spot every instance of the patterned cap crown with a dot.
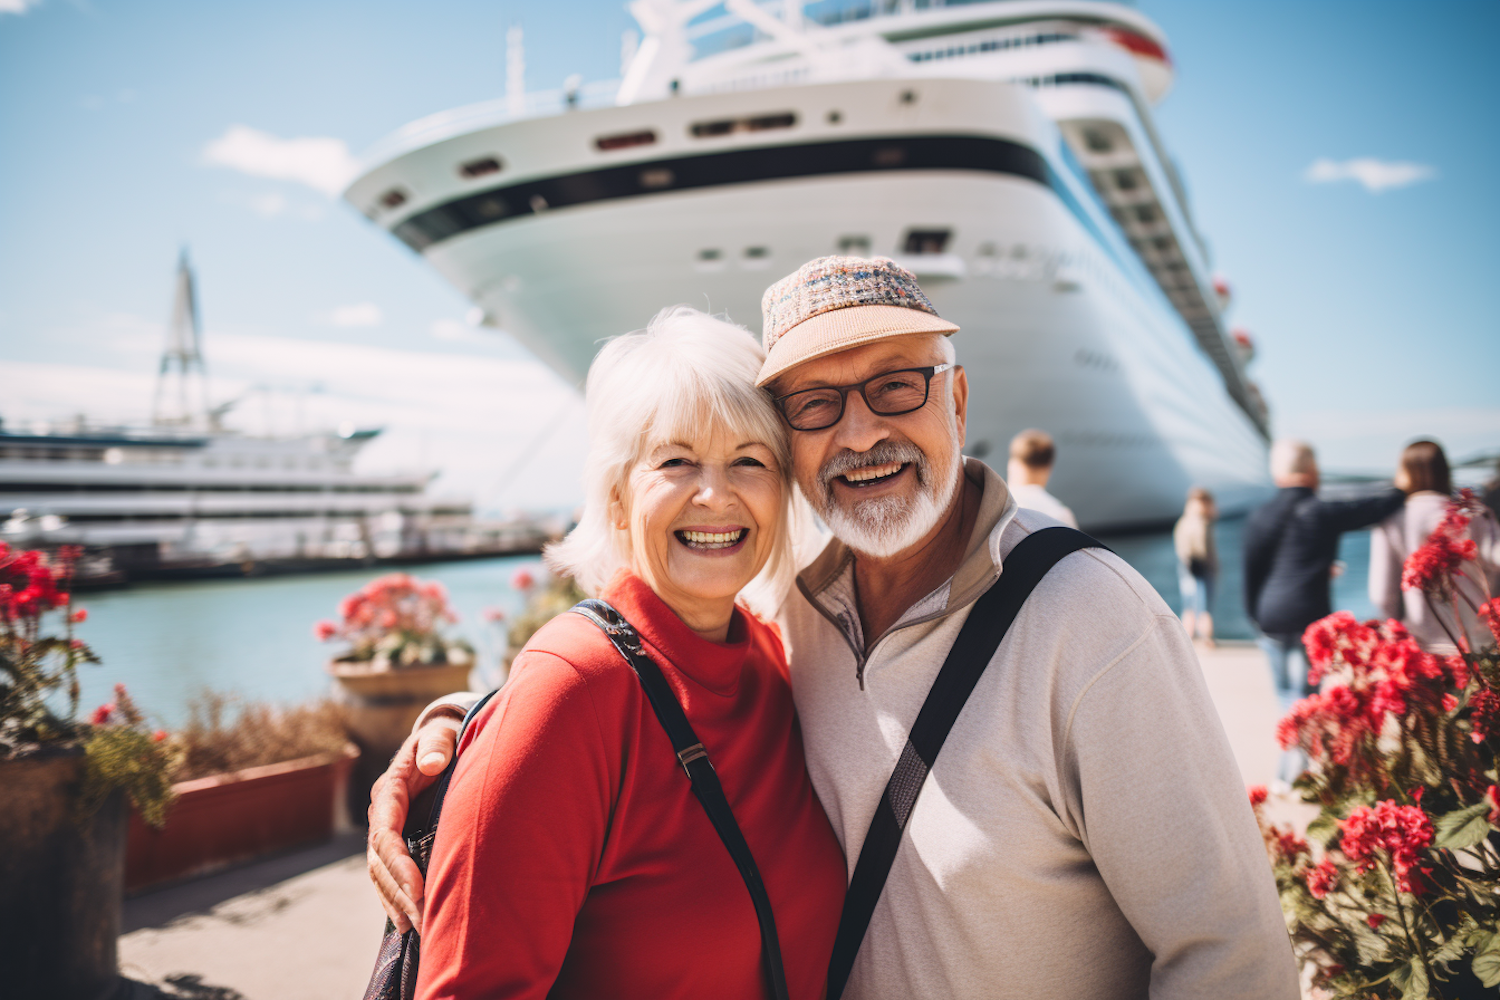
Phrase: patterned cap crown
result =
(829, 283)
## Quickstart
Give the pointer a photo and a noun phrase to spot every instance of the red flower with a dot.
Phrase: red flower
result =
(1399, 832)
(80, 615)
(1432, 567)
(1449, 702)
(1322, 879)
(1493, 795)
(325, 630)
(1485, 706)
(1257, 795)
(158, 736)
(493, 614)
(1375, 920)
(522, 579)
(1489, 613)
(101, 714)
(1289, 846)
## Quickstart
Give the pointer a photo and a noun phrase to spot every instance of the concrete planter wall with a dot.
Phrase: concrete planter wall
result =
(60, 882)
(224, 819)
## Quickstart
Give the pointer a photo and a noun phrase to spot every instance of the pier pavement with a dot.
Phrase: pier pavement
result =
(305, 926)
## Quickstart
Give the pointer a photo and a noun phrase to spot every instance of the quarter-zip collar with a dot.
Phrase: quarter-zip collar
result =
(828, 583)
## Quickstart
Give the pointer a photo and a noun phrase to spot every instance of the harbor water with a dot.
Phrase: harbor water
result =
(254, 637)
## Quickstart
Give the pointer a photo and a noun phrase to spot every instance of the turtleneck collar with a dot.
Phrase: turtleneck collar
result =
(715, 666)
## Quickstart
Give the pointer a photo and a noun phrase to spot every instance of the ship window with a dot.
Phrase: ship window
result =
(624, 140)
(854, 246)
(394, 198)
(1096, 141)
(706, 255)
(1125, 180)
(756, 123)
(755, 253)
(834, 117)
(657, 177)
(926, 240)
(1146, 214)
(480, 167)
(890, 156)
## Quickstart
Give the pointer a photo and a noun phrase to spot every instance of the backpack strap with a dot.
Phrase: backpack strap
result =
(700, 771)
(989, 619)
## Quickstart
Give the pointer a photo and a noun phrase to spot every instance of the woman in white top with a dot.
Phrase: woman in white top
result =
(1424, 468)
(1197, 563)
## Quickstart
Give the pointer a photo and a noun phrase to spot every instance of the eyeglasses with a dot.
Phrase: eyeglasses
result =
(888, 394)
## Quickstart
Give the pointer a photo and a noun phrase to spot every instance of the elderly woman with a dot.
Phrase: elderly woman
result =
(573, 859)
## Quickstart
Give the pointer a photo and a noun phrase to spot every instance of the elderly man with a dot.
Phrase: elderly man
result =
(1084, 832)
(1291, 543)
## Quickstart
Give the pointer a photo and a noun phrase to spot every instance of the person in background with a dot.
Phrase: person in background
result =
(1197, 563)
(1424, 472)
(1032, 453)
(1490, 494)
(1291, 543)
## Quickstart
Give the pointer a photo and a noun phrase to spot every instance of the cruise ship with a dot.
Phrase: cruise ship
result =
(1003, 151)
(185, 496)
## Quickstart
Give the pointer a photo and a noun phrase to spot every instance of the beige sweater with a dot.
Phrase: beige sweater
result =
(1085, 834)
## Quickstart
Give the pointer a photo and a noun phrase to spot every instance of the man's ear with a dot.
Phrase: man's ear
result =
(961, 402)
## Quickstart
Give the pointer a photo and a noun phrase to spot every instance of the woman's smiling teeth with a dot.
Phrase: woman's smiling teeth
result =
(871, 473)
(711, 539)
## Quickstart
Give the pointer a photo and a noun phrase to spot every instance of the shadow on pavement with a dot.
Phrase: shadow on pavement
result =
(181, 987)
(158, 907)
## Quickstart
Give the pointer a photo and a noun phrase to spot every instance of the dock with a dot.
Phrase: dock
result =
(306, 926)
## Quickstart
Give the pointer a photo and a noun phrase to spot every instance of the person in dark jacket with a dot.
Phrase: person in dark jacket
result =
(1290, 546)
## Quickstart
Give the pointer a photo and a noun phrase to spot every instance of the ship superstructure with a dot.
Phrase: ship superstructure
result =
(185, 495)
(1004, 151)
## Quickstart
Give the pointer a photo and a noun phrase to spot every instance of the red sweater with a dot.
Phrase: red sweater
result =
(573, 859)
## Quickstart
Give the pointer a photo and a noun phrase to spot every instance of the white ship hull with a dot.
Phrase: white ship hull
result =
(1062, 328)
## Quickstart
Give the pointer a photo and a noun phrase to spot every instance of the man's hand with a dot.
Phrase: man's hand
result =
(414, 768)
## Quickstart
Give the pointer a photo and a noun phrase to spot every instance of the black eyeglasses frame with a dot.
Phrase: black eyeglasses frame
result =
(927, 372)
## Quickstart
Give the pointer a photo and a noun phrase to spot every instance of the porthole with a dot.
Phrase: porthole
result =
(480, 167)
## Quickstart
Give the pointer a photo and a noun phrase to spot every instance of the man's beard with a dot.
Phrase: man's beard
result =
(881, 527)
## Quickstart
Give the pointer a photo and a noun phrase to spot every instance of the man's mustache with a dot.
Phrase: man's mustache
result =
(881, 454)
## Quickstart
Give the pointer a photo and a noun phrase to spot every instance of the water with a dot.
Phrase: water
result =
(254, 637)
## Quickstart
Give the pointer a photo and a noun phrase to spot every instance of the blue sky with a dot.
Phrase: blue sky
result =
(1372, 309)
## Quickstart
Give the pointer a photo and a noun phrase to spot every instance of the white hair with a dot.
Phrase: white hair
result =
(685, 372)
(1290, 457)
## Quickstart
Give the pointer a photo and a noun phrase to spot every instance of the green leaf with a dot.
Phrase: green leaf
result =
(1463, 827)
(1324, 828)
(1411, 979)
(1487, 961)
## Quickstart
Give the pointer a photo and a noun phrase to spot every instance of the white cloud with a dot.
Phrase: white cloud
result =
(358, 314)
(1375, 175)
(17, 6)
(268, 205)
(322, 163)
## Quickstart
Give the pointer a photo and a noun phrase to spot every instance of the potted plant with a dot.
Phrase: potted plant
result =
(62, 827)
(1395, 891)
(248, 779)
(396, 662)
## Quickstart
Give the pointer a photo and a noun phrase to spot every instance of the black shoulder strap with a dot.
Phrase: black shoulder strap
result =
(700, 772)
(972, 651)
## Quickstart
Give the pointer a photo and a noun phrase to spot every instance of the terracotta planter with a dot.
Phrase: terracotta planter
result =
(60, 882)
(382, 705)
(224, 819)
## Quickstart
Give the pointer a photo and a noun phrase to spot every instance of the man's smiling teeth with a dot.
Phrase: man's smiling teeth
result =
(873, 472)
(712, 539)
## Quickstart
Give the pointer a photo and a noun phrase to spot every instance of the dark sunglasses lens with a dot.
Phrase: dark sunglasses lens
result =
(898, 392)
(814, 409)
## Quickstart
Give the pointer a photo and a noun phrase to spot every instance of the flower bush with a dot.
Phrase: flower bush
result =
(224, 734)
(545, 600)
(39, 668)
(396, 621)
(1395, 892)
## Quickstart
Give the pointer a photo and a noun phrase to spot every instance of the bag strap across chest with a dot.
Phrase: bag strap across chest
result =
(700, 771)
(988, 621)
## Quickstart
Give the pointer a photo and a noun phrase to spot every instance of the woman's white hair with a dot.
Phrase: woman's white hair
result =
(685, 372)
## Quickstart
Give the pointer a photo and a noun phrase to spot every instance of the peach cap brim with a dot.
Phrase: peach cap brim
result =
(840, 329)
